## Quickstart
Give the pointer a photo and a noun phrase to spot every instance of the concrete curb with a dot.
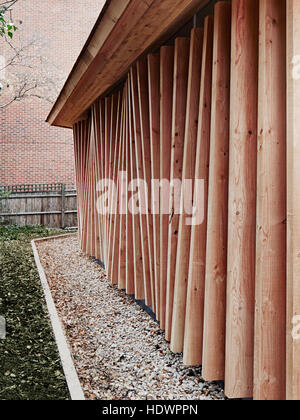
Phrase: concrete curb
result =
(72, 379)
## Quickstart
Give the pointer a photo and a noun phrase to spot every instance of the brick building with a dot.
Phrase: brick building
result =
(52, 35)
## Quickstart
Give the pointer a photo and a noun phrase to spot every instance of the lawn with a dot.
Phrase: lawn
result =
(30, 367)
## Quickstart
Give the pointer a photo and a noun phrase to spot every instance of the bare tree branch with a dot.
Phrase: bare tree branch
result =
(27, 73)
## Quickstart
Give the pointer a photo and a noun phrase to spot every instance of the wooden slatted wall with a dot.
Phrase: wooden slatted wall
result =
(211, 107)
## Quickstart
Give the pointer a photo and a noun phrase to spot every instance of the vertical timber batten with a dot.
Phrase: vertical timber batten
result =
(217, 219)
(270, 313)
(293, 200)
(212, 107)
(242, 200)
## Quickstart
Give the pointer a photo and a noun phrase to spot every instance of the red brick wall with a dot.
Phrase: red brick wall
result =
(30, 150)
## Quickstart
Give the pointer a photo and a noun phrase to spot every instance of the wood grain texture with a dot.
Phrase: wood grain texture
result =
(116, 232)
(130, 267)
(143, 94)
(149, 292)
(166, 105)
(213, 361)
(154, 113)
(189, 153)
(114, 177)
(193, 290)
(181, 70)
(126, 31)
(123, 182)
(242, 200)
(293, 200)
(139, 290)
(270, 309)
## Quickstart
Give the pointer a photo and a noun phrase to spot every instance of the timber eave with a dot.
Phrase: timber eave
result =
(124, 31)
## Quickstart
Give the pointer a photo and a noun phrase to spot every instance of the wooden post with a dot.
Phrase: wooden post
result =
(123, 198)
(143, 89)
(136, 227)
(192, 293)
(130, 267)
(116, 233)
(270, 314)
(149, 292)
(189, 154)
(114, 178)
(213, 363)
(63, 204)
(154, 110)
(293, 200)
(166, 104)
(242, 200)
(112, 165)
(95, 122)
(181, 71)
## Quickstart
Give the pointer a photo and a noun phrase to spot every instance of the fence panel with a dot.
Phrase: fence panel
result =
(51, 205)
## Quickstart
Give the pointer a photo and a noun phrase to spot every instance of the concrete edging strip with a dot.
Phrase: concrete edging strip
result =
(72, 379)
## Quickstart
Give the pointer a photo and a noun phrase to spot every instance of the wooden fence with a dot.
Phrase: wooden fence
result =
(212, 107)
(51, 205)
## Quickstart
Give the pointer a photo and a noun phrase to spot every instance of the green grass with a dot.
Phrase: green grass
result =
(30, 367)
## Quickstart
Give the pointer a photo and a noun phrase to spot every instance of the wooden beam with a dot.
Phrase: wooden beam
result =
(154, 110)
(181, 70)
(166, 105)
(139, 290)
(123, 199)
(113, 174)
(189, 155)
(293, 199)
(130, 268)
(270, 308)
(242, 200)
(192, 300)
(116, 233)
(213, 362)
(142, 75)
(149, 292)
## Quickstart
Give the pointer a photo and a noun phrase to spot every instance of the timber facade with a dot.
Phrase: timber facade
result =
(202, 91)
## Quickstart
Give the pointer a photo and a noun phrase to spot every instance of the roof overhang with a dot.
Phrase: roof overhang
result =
(124, 31)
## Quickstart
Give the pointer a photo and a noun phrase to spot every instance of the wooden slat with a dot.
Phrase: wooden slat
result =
(123, 199)
(192, 300)
(166, 105)
(142, 74)
(113, 176)
(242, 200)
(107, 143)
(154, 110)
(293, 204)
(270, 316)
(86, 134)
(102, 157)
(130, 267)
(213, 362)
(181, 70)
(116, 232)
(138, 265)
(189, 154)
(149, 295)
(94, 192)
(95, 122)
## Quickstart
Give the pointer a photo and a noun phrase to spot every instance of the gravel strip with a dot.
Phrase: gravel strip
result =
(119, 351)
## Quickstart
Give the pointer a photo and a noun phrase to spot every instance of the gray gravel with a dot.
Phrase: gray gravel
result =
(118, 350)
